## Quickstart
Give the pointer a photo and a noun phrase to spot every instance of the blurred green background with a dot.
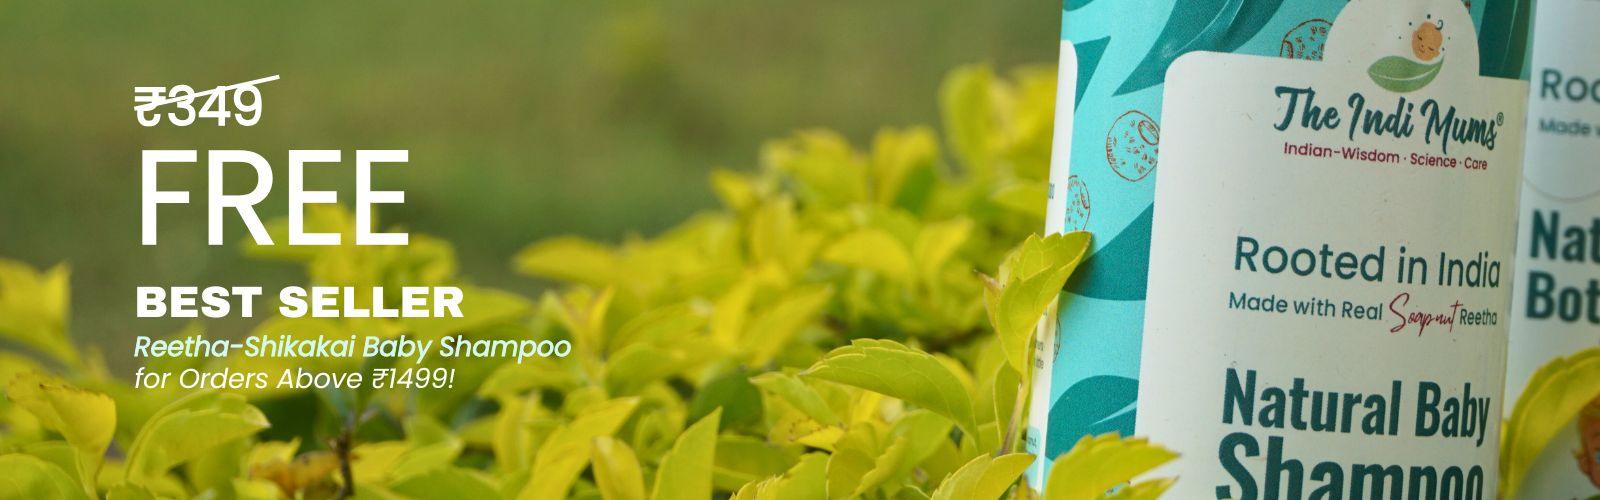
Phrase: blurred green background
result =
(523, 120)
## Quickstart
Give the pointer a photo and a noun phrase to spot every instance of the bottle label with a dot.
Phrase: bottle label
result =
(1556, 306)
(1330, 264)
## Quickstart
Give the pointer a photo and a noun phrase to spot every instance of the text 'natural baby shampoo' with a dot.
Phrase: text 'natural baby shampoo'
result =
(1304, 222)
(1556, 308)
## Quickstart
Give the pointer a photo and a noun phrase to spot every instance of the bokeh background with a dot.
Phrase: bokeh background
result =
(523, 120)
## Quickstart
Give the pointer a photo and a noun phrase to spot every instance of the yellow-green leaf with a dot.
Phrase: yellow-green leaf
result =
(86, 419)
(829, 171)
(736, 190)
(1031, 278)
(913, 438)
(685, 472)
(566, 451)
(1555, 394)
(895, 156)
(1027, 198)
(1098, 463)
(431, 446)
(872, 250)
(1042, 254)
(571, 259)
(554, 473)
(967, 106)
(188, 428)
(771, 330)
(983, 477)
(446, 482)
(742, 459)
(29, 478)
(616, 470)
(892, 369)
(854, 456)
(795, 392)
(34, 309)
(937, 242)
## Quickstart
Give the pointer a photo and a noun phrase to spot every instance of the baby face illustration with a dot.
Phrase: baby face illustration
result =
(1428, 40)
(1589, 435)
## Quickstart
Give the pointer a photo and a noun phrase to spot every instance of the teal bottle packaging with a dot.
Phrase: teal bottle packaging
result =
(1094, 359)
(1556, 313)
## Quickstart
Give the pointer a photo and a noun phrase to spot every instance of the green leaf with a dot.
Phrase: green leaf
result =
(86, 419)
(889, 368)
(731, 392)
(566, 451)
(872, 250)
(1209, 25)
(829, 172)
(511, 431)
(937, 243)
(637, 365)
(1025, 198)
(742, 459)
(795, 392)
(446, 482)
(513, 379)
(1503, 38)
(1031, 279)
(968, 111)
(854, 456)
(571, 259)
(896, 157)
(807, 480)
(28, 478)
(126, 491)
(616, 470)
(1398, 74)
(1097, 464)
(34, 309)
(556, 470)
(685, 471)
(737, 191)
(186, 429)
(215, 470)
(1554, 396)
(984, 477)
(914, 437)
(431, 446)
(771, 330)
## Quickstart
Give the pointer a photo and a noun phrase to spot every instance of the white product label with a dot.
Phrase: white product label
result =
(1331, 264)
(1556, 307)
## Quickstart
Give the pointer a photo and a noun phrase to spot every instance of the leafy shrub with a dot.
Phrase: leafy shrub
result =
(826, 333)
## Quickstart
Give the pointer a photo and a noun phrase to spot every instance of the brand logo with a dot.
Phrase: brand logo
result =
(1402, 74)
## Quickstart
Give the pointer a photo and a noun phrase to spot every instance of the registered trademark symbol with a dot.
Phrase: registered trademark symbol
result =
(1500, 119)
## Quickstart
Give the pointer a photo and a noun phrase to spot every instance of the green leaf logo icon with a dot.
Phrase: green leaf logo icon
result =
(1402, 75)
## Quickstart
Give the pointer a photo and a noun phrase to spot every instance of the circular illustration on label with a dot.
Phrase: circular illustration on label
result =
(1589, 435)
(1132, 145)
(1077, 204)
(1306, 40)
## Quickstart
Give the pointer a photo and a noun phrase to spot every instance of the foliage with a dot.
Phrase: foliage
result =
(823, 334)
